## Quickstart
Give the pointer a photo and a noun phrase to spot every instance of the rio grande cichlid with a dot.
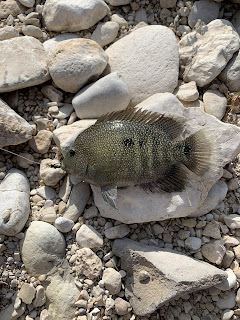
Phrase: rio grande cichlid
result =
(131, 147)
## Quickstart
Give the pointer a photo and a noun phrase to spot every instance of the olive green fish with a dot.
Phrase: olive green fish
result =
(132, 147)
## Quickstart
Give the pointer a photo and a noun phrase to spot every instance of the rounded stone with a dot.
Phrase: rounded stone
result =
(108, 94)
(14, 199)
(42, 141)
(215, 103)
(227, 302)
(42, 248)
(206, 10)
(64, 224)
(33, 31)
(122, 307)
(72, 63)
(72, 15)
(148, 60)
(27, 3)
(105, 33)
(193, 243)
(228, 283)
(49, 173)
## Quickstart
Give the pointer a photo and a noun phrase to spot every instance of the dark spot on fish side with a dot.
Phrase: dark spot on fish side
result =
(140, 143)
(187, 150)
(128, 142)
(72, 153)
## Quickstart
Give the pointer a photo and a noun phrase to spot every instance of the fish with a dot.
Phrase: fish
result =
(137, 147)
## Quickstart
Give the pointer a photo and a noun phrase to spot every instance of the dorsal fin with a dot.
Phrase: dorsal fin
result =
(170, 126)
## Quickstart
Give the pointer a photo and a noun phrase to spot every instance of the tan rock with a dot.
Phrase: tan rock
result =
(42, 141)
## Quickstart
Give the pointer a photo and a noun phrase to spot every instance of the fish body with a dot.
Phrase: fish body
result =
(132, 147)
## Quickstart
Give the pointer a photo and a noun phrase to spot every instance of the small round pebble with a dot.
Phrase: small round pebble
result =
(193, 243)
(64, 224)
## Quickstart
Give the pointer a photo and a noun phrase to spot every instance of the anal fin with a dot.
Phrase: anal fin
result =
(109, 194)
(174, 180)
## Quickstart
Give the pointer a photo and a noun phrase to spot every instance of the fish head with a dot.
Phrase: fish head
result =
(75, 162)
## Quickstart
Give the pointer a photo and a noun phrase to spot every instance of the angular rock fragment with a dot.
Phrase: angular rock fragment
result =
(205, 53)
(156, 276)
(13, 128)
(15, 72)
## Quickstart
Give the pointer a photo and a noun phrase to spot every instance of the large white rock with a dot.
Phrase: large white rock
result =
(15, 72)
(13, 128)
(73, 15)
(108, 94)
(136, 206)
(205, 53)
(72, 63)
(14, 199)
(148, 60)
(42, 248)
(165, 275)
(206, 10)
(231, 73)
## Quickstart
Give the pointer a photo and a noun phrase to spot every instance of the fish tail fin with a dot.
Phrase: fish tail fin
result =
(199, 152)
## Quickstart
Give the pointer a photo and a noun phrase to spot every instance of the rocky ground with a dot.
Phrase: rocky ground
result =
(64, 253)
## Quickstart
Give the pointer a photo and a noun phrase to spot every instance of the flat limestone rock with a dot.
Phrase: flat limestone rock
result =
(204, 53)
(23, 63)
(148, 60)
(13, 128)
(14, 199)
(156, 276)
(134, 205)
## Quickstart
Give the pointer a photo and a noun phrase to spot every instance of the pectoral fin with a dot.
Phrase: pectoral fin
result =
(109, 194)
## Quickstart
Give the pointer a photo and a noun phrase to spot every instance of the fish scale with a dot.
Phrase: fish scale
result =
(132, 147)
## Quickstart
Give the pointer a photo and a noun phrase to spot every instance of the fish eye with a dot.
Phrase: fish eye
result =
(72, 152)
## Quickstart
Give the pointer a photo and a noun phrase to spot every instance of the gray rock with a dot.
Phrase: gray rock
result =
(87, 263)
(46, 192)
(215, 195)
(119, 19)
(119, 231)
(141, 15)
(64, 111)
(231, 74)
(65, 189)
(193, 243)
(77, 201)
(212, 230)
(51, 92)
(64, 224)
(40, 297)
(14, 199)
(168, 282)
(51, 43)
(85, 58)
(16, 73)
(42, 248)
(122, 306)
(187, 91)
(228, 302)
(137, 206)
(203, 45)
(88, 237)
(215, 103)
(168, 3)
(61, 294)
(227, 314)
(49, 173)
(158, 47)
(33, 31)
(228, 283)
(205, 10)
(105, 33)
(10, 312)
(110, 93)
(27, 3)
(73, 15)
(112, 280)
(8, 32)
(13, 128)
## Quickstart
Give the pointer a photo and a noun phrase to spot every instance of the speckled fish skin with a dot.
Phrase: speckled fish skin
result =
(121, 150)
